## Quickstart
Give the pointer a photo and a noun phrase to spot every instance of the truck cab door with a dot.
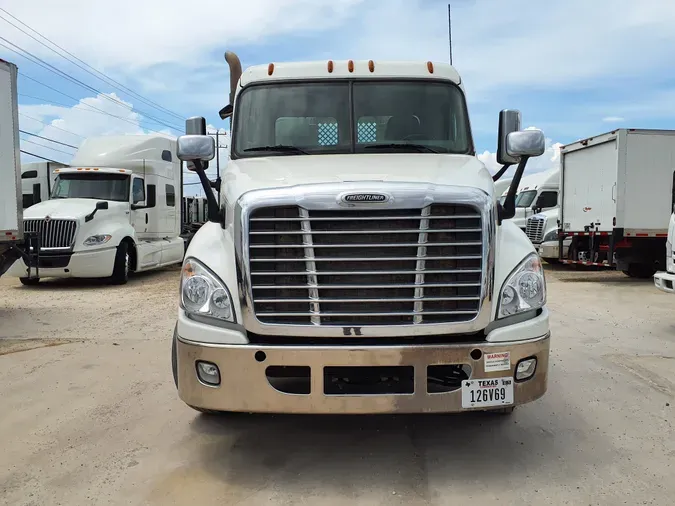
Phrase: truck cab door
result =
(139, 212)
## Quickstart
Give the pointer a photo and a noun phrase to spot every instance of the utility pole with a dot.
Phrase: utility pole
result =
(450, 32)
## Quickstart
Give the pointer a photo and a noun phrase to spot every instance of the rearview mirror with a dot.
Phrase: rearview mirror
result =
(525, 143)
(509, 121)
(196, 147)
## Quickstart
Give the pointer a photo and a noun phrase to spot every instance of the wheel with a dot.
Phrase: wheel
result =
(30, 281)
(640, 271)
(120, 273)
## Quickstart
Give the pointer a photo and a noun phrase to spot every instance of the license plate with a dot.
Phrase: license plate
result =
(481, 393)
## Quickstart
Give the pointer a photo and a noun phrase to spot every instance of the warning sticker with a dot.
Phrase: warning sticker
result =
(498, 361)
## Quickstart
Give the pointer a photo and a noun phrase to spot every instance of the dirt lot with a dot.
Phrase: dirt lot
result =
(89, 414)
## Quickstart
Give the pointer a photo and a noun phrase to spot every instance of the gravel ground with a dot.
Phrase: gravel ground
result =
(89, 414)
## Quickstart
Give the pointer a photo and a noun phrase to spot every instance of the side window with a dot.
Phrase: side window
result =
(138, 192)
(547, 199)
(29, 174)
(170, 196)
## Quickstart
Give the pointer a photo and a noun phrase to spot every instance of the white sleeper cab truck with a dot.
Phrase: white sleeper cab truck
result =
(536, 193)
(37, 181)
(113, 211)
(666, 280)
(617, 194)
(542, 230)
(11, 231)
(501, 187)
(360, 261)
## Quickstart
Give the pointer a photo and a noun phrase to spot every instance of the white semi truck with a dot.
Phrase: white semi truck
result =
(360, 261)
(665, 280)
(11, 230)
(37, 181)
(617, 193)
(536, 192)
(112, 212)
(542, 230)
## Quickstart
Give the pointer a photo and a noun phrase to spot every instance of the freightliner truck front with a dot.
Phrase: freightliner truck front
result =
(359, 261)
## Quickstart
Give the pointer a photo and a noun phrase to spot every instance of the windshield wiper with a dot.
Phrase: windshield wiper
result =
(419, 148)
(279, 147)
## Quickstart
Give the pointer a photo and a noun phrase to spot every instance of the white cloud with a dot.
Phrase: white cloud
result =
(613, 119)
(549, 160)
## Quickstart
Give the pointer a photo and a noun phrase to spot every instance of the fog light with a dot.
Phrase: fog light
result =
(525, 369)
(208, 373)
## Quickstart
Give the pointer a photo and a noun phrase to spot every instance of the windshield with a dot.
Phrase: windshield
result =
(99, 186)
(377, 116)
(525, 199)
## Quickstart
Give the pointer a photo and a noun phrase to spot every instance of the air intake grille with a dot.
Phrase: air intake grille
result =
(535, 229)
(53, 233)
(366, 267)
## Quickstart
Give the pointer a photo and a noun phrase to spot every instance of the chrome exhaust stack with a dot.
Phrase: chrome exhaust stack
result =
(235, 73)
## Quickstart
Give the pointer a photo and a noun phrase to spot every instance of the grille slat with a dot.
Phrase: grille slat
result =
(535, 229)
(54, 234)
(366, 267)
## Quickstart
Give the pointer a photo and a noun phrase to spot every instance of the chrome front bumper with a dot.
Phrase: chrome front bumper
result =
(244, 385)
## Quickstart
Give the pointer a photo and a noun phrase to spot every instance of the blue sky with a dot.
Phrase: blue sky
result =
(574, 68)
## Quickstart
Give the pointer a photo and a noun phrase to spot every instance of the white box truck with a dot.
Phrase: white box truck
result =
(665, 280)
(37, 181)
(617, 194)
(11, 229)
(360, 261)
(115, 210)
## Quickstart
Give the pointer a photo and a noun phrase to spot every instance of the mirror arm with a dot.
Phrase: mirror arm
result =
(213, 207)
(499, 174)
(508, 210)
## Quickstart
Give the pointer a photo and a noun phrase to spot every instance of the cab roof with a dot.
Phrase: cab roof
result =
(350, 69)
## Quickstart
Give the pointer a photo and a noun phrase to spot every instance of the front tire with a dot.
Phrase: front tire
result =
(120, 274)
(30, 281)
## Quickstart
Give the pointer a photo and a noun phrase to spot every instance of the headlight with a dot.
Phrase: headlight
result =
(96, 240)
(551, 236)
(525, 288)
(203, 294)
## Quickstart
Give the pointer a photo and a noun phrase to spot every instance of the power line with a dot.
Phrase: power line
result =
(39, 61)
(79, 102)
(48, 147)
(48, 139)
(50, 125)
(42, 157)
(107, 80)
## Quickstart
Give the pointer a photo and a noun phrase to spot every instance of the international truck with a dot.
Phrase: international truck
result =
(37, 181)
(617, 194)
(360, 261)
(537, 192)
(665, 280)
(11, 230)
(113, 211)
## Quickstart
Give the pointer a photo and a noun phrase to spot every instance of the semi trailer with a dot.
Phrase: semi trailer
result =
(617, 195)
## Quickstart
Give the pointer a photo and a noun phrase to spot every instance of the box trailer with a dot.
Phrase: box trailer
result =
(617, 192)
(11, 219)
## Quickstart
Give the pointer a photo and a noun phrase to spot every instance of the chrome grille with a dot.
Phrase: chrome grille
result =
(366, 267)
(535, 229)
(54, 234)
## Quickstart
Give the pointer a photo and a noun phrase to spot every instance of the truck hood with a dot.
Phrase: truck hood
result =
(248, 174)
(73, 209)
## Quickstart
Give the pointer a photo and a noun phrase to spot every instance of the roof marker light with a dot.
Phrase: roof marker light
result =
(371, 65)
(270, 69)
(430, 67)
(330, 66)
(350, 65)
